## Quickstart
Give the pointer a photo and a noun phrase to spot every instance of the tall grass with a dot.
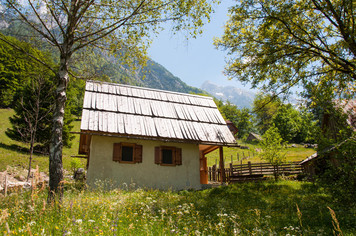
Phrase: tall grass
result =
(270, 208)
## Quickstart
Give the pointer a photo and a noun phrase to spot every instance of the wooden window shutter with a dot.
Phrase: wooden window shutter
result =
(178, 156)
(157, 155)
(117, 152)
(138, 153)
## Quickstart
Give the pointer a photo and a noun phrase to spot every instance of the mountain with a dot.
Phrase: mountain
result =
(154, 76)
(240, 97)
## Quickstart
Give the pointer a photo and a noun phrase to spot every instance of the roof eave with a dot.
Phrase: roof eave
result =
(199, 142)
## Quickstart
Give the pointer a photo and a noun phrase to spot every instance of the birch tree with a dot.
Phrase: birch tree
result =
(122, 27)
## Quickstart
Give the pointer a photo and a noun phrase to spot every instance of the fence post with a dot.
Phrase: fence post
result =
(222, 165)
(218, 174)
(249, 168)
(231, 169)
(214, 172)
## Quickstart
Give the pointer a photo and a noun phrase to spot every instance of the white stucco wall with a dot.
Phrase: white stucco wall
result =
(146, 174)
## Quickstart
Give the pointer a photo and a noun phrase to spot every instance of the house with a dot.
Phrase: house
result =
(152, 138)
(253, 137)
(232, 127)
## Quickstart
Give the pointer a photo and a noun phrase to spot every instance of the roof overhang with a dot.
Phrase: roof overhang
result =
(206, 147)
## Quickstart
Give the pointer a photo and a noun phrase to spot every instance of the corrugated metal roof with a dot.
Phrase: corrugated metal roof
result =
(142, 112)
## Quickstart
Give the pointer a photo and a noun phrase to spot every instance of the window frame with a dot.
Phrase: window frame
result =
(136, 153)
(133, 153)
(176, 155)
(173, 149)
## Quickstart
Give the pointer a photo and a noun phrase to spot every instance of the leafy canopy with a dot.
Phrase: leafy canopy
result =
(265, 106)
(277, 44)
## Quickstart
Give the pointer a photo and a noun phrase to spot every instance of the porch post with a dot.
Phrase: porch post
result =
(222, 165)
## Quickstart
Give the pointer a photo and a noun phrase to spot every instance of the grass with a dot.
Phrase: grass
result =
(237, 155)
(268, 208)
(15, 154)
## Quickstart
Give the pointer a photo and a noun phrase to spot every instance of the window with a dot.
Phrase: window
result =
(168, 156)
(127, 153)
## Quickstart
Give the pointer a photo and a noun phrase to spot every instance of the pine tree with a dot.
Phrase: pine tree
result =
(31, 124)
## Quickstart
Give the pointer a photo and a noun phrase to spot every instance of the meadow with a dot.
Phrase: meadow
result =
(266, 208)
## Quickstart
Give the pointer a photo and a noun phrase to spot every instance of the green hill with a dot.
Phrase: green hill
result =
(14, 154)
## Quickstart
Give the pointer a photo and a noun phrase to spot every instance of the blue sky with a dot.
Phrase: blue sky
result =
(196, 60)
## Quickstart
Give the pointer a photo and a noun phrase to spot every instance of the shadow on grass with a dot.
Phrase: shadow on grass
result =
(22, 150)
(15, 148)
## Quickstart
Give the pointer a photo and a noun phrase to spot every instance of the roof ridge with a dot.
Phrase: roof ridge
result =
(150, 89)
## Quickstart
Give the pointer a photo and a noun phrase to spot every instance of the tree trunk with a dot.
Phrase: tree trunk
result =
(30, 161)
(276, 172)
(56, 146)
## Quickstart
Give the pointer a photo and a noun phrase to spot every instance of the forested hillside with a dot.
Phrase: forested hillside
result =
(98, 65)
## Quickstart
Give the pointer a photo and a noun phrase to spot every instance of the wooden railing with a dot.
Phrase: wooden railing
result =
(254, 170)
(215, 173)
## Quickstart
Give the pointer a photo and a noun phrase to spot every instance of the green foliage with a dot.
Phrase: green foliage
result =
(337, 156)
(288, 121)
(272, 147)
(15, 69)
(264, 108)
(294, 125)
(338, 174)
(244, 123)
(241, 118)
(33, 112)
(309, 128)
(278, 44)
(34, 105)
(75, 163)
(76, 90)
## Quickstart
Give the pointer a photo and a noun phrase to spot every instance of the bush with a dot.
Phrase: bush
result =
(339, 174)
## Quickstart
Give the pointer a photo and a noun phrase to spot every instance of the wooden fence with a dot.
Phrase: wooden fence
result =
(215, 173)
(253, 171)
